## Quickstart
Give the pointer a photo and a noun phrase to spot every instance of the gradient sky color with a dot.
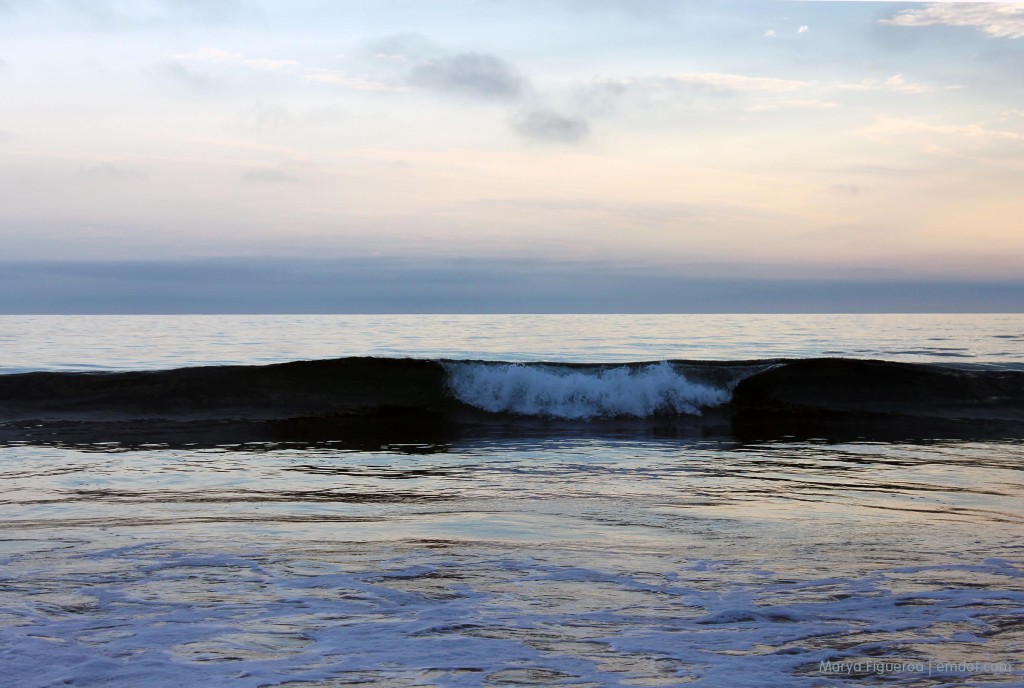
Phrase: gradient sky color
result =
(692, 142)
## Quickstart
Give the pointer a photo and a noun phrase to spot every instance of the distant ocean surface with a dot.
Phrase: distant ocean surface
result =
(543, 557)
(85, 342)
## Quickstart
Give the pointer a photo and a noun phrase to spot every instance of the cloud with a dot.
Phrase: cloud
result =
(476, 75)
(669, 97)
(1001, 20)
(898, 126)
(603, 95)
(549, 126)
(5, 136)
(292, 67)
(425, 65)
(973, 142)
(894, 83)
(479, 76)
(110, 172)
(803, 29)
(770, 33)
(268, 175)
(719, 81)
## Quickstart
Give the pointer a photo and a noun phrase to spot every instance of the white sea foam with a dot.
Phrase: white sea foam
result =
(564, 392)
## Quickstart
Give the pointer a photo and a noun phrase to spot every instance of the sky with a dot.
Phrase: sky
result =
(510, 156)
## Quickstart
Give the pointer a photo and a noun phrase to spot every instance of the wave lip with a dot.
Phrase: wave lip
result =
(578, 394)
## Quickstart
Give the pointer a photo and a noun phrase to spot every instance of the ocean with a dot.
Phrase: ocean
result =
(593, 524)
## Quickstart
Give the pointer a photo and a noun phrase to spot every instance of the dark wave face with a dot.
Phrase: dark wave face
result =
(415, 400)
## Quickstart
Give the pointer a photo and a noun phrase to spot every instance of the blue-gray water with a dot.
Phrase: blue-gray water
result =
(582, 560)
(47, 342)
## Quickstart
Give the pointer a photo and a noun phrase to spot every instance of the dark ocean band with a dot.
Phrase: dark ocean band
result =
(381, 399)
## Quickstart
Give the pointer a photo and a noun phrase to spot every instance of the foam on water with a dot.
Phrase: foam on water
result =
(574, 562)
(157, 616)
(564, 392)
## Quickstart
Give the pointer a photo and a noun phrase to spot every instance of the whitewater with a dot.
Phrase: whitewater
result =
(561, 392)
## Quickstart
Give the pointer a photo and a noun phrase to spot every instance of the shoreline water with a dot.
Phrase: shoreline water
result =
(292, 525)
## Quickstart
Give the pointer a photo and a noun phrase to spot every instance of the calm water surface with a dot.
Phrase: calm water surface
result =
(570, 559)
(49, 342)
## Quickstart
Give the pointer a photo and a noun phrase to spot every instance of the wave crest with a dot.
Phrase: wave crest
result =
(564, 392)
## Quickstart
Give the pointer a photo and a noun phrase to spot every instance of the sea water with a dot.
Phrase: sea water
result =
(116, 342)
(535, 558)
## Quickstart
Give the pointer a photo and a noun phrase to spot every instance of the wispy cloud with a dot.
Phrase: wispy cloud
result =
(900, 126)
(604, 96)
(693, 95)
(894, 83)
(737, 82)
(314, 74)
(975, 143)
(1002, 20)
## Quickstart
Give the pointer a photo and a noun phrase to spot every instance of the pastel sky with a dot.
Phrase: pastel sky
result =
(741, 140)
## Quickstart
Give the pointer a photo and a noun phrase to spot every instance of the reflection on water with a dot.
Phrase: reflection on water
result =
(138, 342)
(950, 481)
(644, 556)
(575, 561)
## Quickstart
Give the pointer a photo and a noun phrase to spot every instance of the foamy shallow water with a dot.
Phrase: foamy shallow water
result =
(553, 561)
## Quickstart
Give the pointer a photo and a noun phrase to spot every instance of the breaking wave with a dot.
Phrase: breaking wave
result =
(426, 402)
(574, 393)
